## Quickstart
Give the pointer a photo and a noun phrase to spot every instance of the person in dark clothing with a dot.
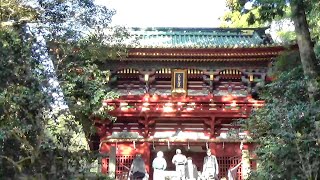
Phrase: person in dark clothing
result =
(138, 168)
(210, 166)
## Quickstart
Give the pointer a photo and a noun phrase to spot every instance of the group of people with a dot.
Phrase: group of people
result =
(185, 168)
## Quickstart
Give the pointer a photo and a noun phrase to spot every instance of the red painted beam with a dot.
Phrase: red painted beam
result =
(189, 99)
(195, 114)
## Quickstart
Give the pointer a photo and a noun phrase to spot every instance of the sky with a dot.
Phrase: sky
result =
(166, 13)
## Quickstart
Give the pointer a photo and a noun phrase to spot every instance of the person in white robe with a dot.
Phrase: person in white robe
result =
(159, 164)
(179, 160)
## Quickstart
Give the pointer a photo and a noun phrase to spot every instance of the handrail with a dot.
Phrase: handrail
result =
(124, 166)
(234, 157)
(124, 175)
(232, 172)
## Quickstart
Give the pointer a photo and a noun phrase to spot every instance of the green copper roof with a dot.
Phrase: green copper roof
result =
(201, 37)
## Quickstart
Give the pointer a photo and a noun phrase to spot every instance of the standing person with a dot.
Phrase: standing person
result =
(179, 160)
(210, 166)
(159, 164)
(138, 168)
(191, 170)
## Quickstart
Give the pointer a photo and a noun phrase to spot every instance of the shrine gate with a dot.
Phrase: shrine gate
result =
(185, 88)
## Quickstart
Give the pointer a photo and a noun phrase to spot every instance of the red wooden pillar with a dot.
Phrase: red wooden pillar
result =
(212, 146)
(104, 149)
(146, 126)
(212, 126)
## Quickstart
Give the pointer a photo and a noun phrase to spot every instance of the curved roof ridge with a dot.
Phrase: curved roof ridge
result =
(195, 29)
(195, 37)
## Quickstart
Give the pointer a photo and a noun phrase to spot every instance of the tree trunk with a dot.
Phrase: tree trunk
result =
(307, 55)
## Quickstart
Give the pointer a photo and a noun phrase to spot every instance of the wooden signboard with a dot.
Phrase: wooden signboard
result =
(179, 82)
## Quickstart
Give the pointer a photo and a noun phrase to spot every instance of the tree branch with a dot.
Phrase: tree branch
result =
(16, 165)
(22, 139)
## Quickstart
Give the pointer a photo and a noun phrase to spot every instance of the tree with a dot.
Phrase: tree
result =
(19, 89)
(307, 55)
(78, 45)
(269, 10)
(239, 19)
(36, 139)
(286, 127)
(83, 77)
(22, 103)
(16, 11)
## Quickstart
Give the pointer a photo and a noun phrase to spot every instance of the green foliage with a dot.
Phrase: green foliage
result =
(317, 50)
(286, 36)
(82, 75)
(260, 13)
(301, 12)
(287, 61)
(237, 19)
(23, 107)
(17, 10)
(37, 140)
(263, 12)
(313, 12)
(287, 127)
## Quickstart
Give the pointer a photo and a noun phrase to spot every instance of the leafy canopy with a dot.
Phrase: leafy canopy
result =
(286, 128)
(37, 140)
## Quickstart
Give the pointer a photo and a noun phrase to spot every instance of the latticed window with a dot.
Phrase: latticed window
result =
(123, 164)
(226, 163)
